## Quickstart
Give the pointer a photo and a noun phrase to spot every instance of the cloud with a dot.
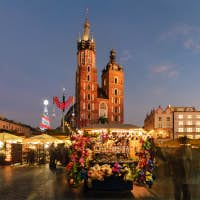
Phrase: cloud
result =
(126, 55)
(165, 70)
(187, 35)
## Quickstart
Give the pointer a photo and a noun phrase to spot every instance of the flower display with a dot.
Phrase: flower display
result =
(100, 172)
(98, 165)
(80, 154)
(143, 173)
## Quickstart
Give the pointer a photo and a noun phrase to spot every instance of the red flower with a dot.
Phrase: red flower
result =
(69, 166)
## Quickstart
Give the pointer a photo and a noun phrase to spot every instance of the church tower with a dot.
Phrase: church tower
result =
(95, 104)
(113, 87)
(86, 78)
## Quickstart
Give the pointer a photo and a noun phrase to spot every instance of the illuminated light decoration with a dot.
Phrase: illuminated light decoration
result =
(45, 122)
(1, 144)
(46, 102)
(8, 157)
(62, 105)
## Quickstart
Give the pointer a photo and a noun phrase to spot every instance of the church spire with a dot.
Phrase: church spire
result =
(86, 31)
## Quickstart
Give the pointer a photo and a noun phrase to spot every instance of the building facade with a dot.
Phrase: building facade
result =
(173, 122)
(14, 127)
(96, 103)
(161, 121)
(186, 122)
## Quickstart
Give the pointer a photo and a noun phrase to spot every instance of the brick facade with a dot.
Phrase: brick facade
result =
(93, 102)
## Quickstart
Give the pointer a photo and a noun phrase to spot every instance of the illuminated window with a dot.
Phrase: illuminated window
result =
(189, 129)
(180, 129)
(180, 116)
(104, 82)
(189, 116)
(189, 122)
(197, 129)
(180, 123)
(168, 118)
(198, 116)
(197, 122)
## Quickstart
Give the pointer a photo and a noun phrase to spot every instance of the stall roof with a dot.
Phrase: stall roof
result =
(111, 126)
(9, 137)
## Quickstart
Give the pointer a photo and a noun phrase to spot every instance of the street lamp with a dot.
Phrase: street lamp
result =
(63, 99)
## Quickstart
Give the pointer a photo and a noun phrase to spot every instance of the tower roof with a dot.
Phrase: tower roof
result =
(112, 64)
(86, 30)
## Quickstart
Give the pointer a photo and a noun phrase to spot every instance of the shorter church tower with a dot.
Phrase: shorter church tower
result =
(113, 87)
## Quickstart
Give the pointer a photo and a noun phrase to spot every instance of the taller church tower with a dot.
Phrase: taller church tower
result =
(96, 104)
(86, 78)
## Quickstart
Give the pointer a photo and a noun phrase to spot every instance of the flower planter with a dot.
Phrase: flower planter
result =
(110, 183)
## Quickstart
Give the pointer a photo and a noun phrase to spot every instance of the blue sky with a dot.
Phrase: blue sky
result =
(157, 42)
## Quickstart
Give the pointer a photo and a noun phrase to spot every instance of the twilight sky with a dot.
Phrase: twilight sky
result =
(157, 42)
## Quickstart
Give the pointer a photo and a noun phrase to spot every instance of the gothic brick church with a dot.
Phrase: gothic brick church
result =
(94, 103)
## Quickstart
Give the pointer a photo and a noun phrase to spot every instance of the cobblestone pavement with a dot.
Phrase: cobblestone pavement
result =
(39, 182)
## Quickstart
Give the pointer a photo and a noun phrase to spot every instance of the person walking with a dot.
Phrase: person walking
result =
(181, 169)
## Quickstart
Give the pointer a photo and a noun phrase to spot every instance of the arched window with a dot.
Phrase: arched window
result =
(116, 92)
(88, 77)
(115, 80)
(88, 68)
(88, 87)
(88, 106)
(116, 118)
(103, 111)
(88, 96)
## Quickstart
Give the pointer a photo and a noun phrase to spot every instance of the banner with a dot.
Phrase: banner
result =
(63, 105)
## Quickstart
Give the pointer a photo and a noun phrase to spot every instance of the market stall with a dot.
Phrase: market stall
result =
(10, 148)
(104, 160)
(35, 149)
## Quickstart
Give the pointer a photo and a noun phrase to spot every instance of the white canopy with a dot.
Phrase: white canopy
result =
(42, 139)
(7, 137)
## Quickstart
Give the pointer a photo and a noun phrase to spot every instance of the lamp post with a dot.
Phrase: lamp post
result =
(63, 117)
